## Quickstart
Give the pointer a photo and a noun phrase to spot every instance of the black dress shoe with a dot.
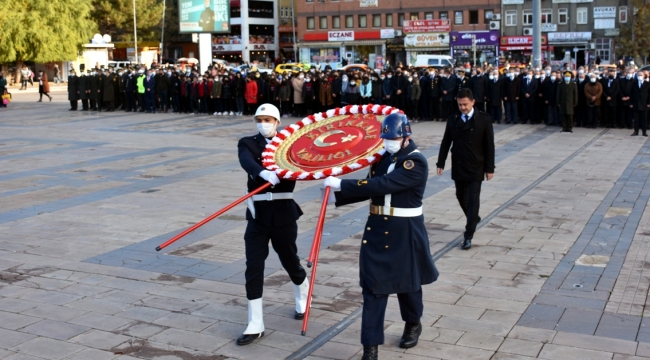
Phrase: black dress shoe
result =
(370, 352)
(299, 316)
(411, 335)
(636, 133)
(467, 244)
(246, 339)
(645, 134)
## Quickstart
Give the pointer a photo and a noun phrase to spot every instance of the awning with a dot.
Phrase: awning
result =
(364, 42)
(478, 47)
(326, 44)
(416, 49)
(572, 43)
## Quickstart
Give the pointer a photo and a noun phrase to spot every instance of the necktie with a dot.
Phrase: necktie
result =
(528, 82)
(609, 84)
(464, 118)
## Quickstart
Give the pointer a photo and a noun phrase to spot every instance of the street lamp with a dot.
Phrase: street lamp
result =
(135, 33)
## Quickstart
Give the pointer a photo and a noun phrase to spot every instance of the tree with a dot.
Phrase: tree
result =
(43, 30)
(634, 39)
(115, 18)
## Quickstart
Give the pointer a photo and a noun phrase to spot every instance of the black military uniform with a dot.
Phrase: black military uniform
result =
(472, 156)
(395, 257)
(273, 218)
(95, 94)
(73, 96)
(82, 90)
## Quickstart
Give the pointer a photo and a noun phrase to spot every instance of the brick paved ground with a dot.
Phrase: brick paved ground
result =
(559, 269)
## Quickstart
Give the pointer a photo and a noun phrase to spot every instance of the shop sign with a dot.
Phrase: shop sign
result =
(368, 3)
(549, 27)
(427, 40)
(604, 12)
(571, 1)
(387, 33)
(569, 36)
(340, 35)
(262, 47)
(482, 38)
(224, 47)
(604, 23)
(512, 2)
(424, 26)
(612, 32)
(510, 43)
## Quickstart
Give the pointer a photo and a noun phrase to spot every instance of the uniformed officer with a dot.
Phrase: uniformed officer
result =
(395, 257)
(271, 216)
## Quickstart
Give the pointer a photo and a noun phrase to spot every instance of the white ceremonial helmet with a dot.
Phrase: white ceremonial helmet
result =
(268, 110)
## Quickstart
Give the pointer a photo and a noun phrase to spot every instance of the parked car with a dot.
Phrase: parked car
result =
(119, 64)
(290, 67)
(222, 63)
(245, 69)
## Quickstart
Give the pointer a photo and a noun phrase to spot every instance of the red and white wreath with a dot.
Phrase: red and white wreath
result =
(268, 156)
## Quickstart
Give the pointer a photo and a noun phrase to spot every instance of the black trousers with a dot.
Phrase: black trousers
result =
(567, 122)
(73, 104)
(84, 104)
(592, 116)
(641, 120)
(434, 107)
(529, 109)
(610, 116)
(374, 311)
(468, 194)
(283, 239)
(448, 109)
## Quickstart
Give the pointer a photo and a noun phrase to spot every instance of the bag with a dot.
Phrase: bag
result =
(7, 97)
(5, 102)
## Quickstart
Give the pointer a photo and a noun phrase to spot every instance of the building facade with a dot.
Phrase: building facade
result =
(574, 31)
(380, 31)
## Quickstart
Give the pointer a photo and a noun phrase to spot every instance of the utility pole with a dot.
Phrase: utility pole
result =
(293, 28)
(537, 34)
(474, 47)
(162, 32)
(135, 34)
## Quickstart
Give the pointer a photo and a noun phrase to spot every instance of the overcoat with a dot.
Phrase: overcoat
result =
(567, 97)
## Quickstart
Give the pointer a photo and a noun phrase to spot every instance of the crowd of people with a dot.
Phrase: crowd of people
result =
(515, 95)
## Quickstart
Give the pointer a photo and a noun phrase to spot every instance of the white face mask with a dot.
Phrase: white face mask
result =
(266, 129)
(389, 76)
(567, 79)
(392, 146)
(301, 76)
(491, 77)
(593, 80)
(553, 78)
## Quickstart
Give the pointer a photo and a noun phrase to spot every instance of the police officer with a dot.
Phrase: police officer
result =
(271, 216)
(395, 256)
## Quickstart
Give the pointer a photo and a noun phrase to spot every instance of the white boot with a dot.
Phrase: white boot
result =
(301, 292)
(255, 317)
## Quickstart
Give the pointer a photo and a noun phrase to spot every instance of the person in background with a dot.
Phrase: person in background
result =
(567, 99)
(593, 92)
(43, 86)
(414, 98)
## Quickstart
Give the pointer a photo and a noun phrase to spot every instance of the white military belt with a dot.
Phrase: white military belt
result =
(269, 196)
(393, 211)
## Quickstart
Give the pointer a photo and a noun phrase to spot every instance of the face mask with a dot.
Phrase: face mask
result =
(536, 76)
(581, 71)
(553, 78)
(389, 76)
(307, 80)
(382, 77)
(593, 80)
(467, 70)
(542, 77)
(392, 146)
(511, 75)
(432, 74)
(410, 79)
(548, 72)
(120, 74)
(353, 83)
(628, 76)
(266, 129)
(640, 78)
(567, 79)
(345, 78)
(491, 77)
(301, 77)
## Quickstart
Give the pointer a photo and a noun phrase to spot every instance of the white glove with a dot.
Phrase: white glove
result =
(333, 182)
(270, 176)
(331, 199)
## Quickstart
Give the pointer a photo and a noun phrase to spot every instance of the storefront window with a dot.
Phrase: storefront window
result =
(233, 38)
(376, 20)
(317, 55)
(363, 21)
(349, 21)
(263, 34)
(389, 20)
(260, 9)
(336, 22)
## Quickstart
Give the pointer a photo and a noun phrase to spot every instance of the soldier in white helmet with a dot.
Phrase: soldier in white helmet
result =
(271, 216)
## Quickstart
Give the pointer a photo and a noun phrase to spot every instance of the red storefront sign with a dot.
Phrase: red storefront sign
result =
(510, 43)
(423, 26)
(358, 35)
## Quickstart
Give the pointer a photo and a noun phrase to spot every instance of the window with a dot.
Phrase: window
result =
(473, 17)
(389, 20)
(528, 17)
(581, 15)
(310, 23)
(562, 16)
(349, 21)
(511, 17)
(444, 15)
(323, 22)
(428, 16)
(415, 16)
(458, 18)
(603, 49)
(376, 20)
(622, 14)
(363, 21)
(547, 16)
(400, 19)
(336, 22)
(488, 15)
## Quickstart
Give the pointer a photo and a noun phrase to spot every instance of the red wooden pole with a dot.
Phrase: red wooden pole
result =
(318, 233)
(314, 257)
(211, 217)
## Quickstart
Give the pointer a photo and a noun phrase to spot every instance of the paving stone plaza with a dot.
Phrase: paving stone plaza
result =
(560, 267)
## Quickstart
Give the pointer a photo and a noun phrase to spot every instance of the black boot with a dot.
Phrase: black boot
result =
(370, 352)
(467, 244)
(246, 339)
(411, 335)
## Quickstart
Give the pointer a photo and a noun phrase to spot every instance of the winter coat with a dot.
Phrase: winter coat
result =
(251, 92)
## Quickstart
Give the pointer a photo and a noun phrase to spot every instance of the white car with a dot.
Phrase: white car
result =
(222, 63)
(245, 69)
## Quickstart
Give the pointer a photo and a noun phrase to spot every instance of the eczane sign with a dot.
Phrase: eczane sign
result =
(340, 35)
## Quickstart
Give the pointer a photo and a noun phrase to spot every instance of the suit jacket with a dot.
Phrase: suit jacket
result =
(150, 83)
(611, 91)
(268, 213)
(526, 88)
(625, 90)
(448, 84)
(495, 91)
(550, 91)
(511, 89)
(472, 154)
(639, 98)
(479, 85)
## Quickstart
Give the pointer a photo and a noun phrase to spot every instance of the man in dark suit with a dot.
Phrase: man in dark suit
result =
(494, 96)
(528, 92)
(611, 88)
(73, 95)
(639, 104)
(478, 86)
(449, 89)
(150, 92)
(581, 109)
(626, 116)
(511, 96)
(472, 157)
(394, 256)
(271, 216)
